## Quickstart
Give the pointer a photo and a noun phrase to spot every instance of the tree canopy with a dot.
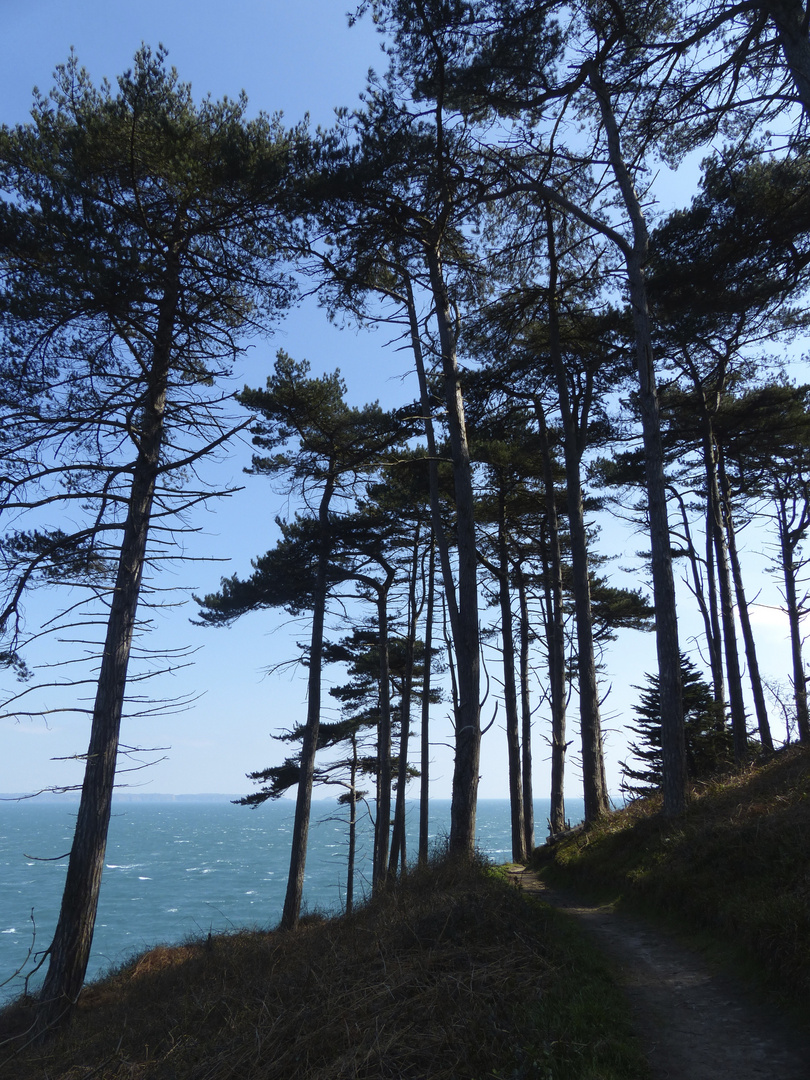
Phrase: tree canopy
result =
(585, 363)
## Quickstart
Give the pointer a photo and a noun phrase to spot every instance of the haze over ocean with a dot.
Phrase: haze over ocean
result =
(181, 867)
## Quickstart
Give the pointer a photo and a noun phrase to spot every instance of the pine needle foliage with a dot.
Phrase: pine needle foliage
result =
(708, 737)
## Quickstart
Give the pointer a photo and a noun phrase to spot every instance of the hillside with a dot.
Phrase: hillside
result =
(453, 975)
(734, 870)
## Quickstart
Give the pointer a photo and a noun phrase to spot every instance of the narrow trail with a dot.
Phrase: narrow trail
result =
(693, 1023)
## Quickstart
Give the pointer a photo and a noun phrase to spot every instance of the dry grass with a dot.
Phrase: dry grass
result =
(451, 975)
(736, 865)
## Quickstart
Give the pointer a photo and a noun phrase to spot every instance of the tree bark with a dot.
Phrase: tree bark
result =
(424, 751)
(526, 713)
(593, 768)
(717, 637)
(786, 548)
(733, 674)
(382, 829)
(510, 690)
(699, 592)
(466, 641)
(70, 949)
(398, 841)
(462, 606)
(666, 617)
(439, 535)
(352, 827)
(790, 19)
(763, 723)
(309, 744)
(555, 634)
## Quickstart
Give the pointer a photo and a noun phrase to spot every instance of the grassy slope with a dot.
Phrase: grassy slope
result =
(736, 867)
(453, 975)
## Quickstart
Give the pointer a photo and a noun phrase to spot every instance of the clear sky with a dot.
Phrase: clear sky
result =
(296, 57)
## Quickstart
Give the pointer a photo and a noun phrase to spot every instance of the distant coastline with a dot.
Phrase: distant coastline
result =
(124, 796)
(120, 797)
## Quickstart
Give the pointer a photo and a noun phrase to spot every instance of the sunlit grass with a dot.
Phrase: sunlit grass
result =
(736, 866)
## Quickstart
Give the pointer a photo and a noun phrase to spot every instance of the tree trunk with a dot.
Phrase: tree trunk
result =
(763, 724)
(510, 690)
(466, 641)
(526, 713)
(699, 592)
(555, 633)
(794, 620)
(439, 534)
(790, 19)
(383, 825)
(309, 743)
(717, 637)
(424, 754)
(593, 768)
(398, 843)
(352, 827)
(733, 674)
(70, 949)
(468, 734)
(666, 618)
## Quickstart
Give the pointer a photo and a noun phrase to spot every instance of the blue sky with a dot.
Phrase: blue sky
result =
(296, 58)
(293, 57)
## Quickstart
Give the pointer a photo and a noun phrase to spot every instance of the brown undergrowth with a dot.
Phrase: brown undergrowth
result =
(736, 865)
(451, 974)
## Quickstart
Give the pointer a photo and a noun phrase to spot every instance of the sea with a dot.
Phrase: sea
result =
(177, 868)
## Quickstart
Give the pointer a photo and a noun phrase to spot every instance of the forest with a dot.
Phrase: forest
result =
(490, 206)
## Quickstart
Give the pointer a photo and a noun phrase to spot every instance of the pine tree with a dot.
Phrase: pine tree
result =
(139, 238)
(709, 744)
(324, 445)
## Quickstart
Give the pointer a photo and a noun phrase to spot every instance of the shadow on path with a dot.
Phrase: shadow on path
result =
(693, 1023)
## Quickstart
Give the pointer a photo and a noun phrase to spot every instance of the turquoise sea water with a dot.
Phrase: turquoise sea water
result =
(176, 869)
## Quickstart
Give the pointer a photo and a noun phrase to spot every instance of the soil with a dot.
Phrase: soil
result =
(693, 1022)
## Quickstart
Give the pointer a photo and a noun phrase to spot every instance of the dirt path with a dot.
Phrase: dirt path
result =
(693, 1023)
